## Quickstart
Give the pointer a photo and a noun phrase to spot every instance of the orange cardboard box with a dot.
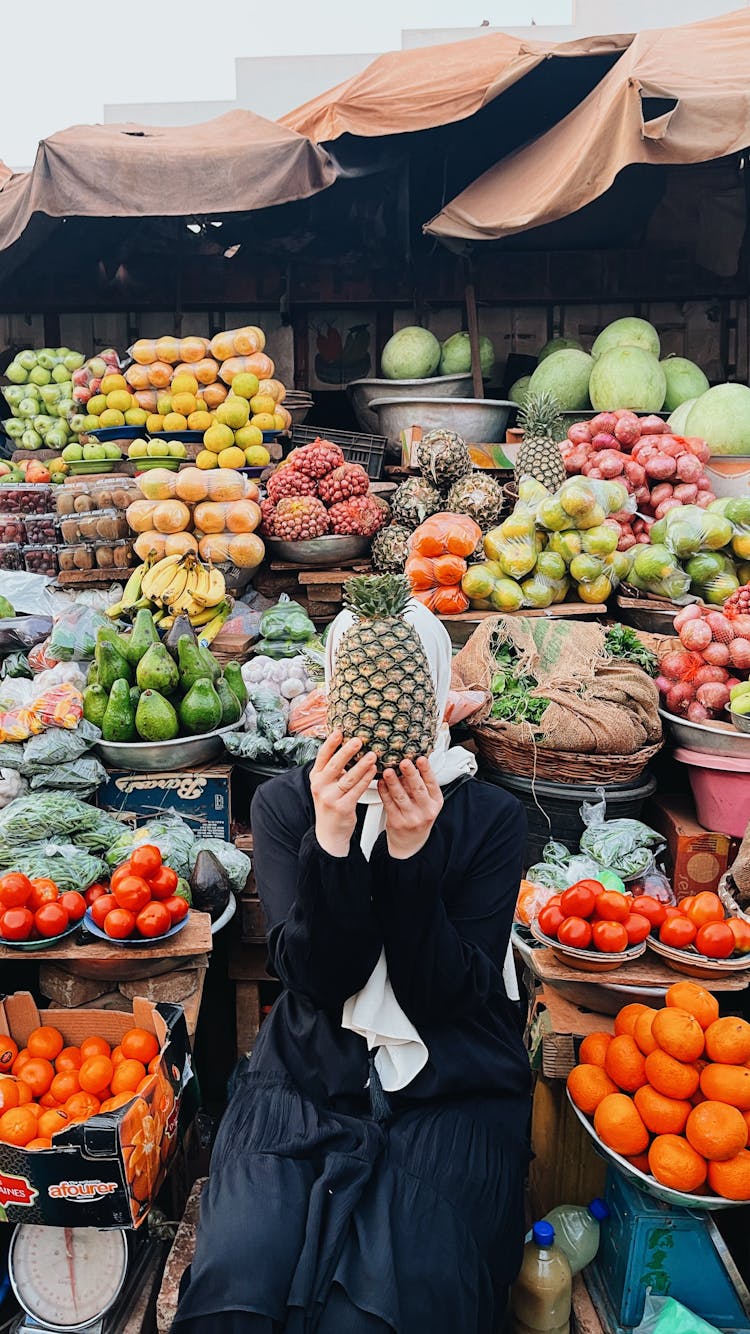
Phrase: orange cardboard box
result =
(697, 858)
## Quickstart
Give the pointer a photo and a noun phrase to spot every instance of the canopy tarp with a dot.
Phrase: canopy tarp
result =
(424, 87)
(235, 163)
(676, 96)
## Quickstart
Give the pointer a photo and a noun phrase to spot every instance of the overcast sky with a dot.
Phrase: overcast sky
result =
(62, 63)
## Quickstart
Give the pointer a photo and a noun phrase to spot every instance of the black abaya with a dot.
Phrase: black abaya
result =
(317, 1216)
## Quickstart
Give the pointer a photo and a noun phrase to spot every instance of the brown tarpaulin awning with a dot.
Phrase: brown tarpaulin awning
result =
(676, 96)
(429, 86)
(236, 163)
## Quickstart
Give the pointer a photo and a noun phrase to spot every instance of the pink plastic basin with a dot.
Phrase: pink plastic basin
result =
(721, 789)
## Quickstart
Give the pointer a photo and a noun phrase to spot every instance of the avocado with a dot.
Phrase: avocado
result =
(118, 723)
(141, 637)
(92, 675)
(95, 701)
(211, 667)
(157, 670)
(111, 666)
(200, 710)
(173, 636)
(189, 662)
(231, 709)
(209, 883)
(233, 678)
(135, 695)
(155, 719)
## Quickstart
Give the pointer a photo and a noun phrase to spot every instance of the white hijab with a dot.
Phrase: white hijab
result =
(374, 1012)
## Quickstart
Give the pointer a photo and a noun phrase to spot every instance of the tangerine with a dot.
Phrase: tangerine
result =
(129, 1074)
(69, 1059)
(730, 1179)
(671, 1077)
(96, 1074)
(625, 1064)
(676, 1164)
(626, 1020)
(716, 1131)
(8, 1053)
(618, 1124)
(95, 1046)
(39, 1143)
(17, 1126)
(678, 1034)
(52, 1121)
(593, 1049)
(81, 1106)
(639, 1161)
(644, 1038)
(47, 1100)
(8, 1093)
(727, 1083)
(64, 1085)
(45, 1041)
(38, 1073)
(661, 1115)
(140, 1045)
(728, 1041)
(119, 1100)
(695, 1000)
(25, 1096)
(20, 1061)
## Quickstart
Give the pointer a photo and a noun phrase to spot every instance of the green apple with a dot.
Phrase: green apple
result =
(57, 438)
(47, 357)
(50, 394)
(39, 375)
(41, 422)
(14, 428)
(73, 453)
(16, 373)
(177, 450)
(27, 359)
(14, 393)
(72, 361)
(28, 407)
(158, 449)
(111, 450)
(31, 439)
(60, 375)
(93, 452)
(77, 423)
(138, 449)
(66, 408)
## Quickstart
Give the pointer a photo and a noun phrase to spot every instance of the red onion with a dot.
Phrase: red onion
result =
(698, 447)
(708, 673)
(604, 440)
(716, 654)
(693, 612)
(739, 653)
(695, 635)
(672, 445)
(679, 664)
(603, 421)
(666, 506)
(660, 467)
(704, 499)
(662, 491)
(689, 468)
(664, 684)
(697, 713)
(679, 697)
(652, 425)
(721, 627)
(579, 433)
(628, 428)
(686, 493)
(713, 695)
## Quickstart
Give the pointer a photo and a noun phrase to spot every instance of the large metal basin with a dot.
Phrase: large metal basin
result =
(478, 420)
(717, 740)
(364, 391)
(161, 756)
(320, 552)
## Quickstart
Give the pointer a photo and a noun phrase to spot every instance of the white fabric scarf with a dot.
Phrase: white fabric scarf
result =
(374, 1012)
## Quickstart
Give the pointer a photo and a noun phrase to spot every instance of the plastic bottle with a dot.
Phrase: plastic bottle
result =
(577, 1231)
(540, 1297)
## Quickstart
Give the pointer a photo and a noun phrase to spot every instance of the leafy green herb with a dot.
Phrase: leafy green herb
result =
(512, 701)
(623, 643)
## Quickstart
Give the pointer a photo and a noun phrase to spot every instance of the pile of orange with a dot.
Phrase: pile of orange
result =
(46, 1086)
(670, 1091)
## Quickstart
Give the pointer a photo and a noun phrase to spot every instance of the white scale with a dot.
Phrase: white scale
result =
(66, 1279)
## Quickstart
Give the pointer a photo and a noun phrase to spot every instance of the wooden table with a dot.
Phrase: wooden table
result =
(195, 938)
(648, 971)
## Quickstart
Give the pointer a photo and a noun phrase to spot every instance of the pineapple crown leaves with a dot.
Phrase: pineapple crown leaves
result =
(540, 416)
(371, 596)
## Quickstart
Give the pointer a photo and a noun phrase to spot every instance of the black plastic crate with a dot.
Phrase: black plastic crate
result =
(357, 446)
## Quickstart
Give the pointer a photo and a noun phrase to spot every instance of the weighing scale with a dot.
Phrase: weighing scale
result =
(74, 1279)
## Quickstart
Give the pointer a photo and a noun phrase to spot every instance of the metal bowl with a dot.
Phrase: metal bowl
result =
(364, 391)
(159, 756)
(714, 739)
(740, 720)
(588, 960)
(319, 552)
(478, 420)
(693, 964)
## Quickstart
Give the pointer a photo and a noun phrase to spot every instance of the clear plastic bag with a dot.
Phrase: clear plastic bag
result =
(459, 705)
(445, 535)
(656, 570)
(654, 883)
(249, 746)
(513, 543)
(712, 576)
(83, 775)
(37, 818)
(24, 633)
(237, 342)
(12, 785)
(625, 846)
(294, 750)
(690, 529)
(584, 503)
(171, 835)
(308, 714)
(74, 634)
(664, 1315)
(35, 596)
(16, 664)
(57, 746)
(236, 864)
(69, 866)
(286, 621)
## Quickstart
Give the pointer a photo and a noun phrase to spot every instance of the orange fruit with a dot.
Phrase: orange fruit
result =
(640, 1161)
(17, 1126)
(140, 1045)
(618, 1124)
(95, 1074)
(716, 1131)
(8, 1093)
(47, 1100)
(119, 1100)
(678, 1034)
(33, 1107)
(64, 1085)
(117, 1056)
(728, 1041)
(94, 1047)
(661, 1115)
(144, 1084)
(45, 1041)
(8, 1053)
(624, 1063)
(671, 1077)
(50, 1122)
(727, 1083)
(644, 1038)
(39, 1143)
(20, 1061)
(69, 1059)
(129, 1074)
(81, 1106)
(593, 1049)
(626, 1020)
(676, 1164)
(25, 1096)
(696, 1000)
(730, 1179)
(38, 1073)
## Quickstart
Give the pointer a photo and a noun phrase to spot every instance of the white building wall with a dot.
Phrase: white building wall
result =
(590, 17)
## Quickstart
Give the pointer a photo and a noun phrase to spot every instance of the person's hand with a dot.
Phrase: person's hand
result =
(336, 791)
(412, 801)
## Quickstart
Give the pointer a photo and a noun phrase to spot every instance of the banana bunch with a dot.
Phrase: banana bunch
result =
(183, 585)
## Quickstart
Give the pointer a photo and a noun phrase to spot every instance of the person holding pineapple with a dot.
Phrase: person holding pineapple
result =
(368, 1176)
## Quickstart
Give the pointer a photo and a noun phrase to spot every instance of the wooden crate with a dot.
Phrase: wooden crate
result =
(324, 589)
(247, 969)
(566, 1168)
(560, 1028)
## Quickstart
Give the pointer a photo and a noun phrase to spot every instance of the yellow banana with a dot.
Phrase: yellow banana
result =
(160, 576)
(221, 613)
(202, 617)
(201, 584)
(131, 592)
(216, 590)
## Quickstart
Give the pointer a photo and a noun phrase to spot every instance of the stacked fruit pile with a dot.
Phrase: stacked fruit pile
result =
(695, 680)
(699, 923)
(588, 916)
(145, 898)
(315, 492)
(40, 397)
(213, 514)
(35, 909)
(670, 1092)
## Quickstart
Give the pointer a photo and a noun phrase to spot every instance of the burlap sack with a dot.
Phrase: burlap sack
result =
(737, 879)
(596, 706)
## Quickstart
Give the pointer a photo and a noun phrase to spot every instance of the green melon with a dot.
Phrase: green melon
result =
(678, 419)
(684, 380)
(627, 332)
(411, 354)
(519, 389)
(627, 377)
(455, 355)
(565, 374)
(722, 418)
(559, 345)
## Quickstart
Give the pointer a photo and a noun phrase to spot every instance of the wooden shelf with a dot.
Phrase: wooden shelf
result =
(195, 938)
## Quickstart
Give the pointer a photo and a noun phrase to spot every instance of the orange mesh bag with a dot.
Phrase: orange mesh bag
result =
(445, 534)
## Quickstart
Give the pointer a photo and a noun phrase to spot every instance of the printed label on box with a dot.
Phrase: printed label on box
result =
(200, 797)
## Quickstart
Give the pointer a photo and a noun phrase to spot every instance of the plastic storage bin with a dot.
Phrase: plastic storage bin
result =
(721, 790)
(11, 556)
(107, 524)
(25, 498)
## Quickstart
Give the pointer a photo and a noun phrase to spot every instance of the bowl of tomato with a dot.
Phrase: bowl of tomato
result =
(35, 914)
(699, 938)
(141, 906)
(592, 928)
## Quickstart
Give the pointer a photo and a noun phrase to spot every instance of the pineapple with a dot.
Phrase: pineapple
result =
(539, 455)
(381, 689)
(443, 458)
(480, 497)
(414, 501)
(390, 548)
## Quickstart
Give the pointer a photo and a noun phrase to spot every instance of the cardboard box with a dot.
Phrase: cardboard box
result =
(104, 1172)
(201, 797)
(697, 858)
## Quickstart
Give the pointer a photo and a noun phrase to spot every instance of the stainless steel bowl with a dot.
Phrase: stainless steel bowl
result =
(719, 739)
(478, 420)
(159, 756)
(319, 552)
(740, 720)
(364, 391)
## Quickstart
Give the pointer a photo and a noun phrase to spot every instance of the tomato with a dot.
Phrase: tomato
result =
(131, 892)
(145, 861)
(740, 929)
(652, 909)
(163, 883)
(119, 875)
(550, 919)
(153, 920)
(43, 891)
(686, 904)
(16, 924)
(715, 940)
(178, 908)
(677, 931)
(554, 902)
(101, 907)
(637, 928)
(51, 919)
(611, 906)
(706, 907)
(119, 924)
(610, 937)
(74, 904)
(579, 900)
(93, 893)
(576, 932)
(15, 889)
(670, 912)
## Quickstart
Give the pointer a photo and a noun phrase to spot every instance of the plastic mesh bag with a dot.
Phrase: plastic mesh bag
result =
(625, 846)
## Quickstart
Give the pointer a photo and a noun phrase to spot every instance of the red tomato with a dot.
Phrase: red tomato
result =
(119, 875)
(652, 909)
(677, 931)
(17, 924)
(74, 904)
(686, 904)
(610, 937)
(178, 908)
(51, 919)
(637, 928)
(132, 893)
(145, 861)
(119, 924)
(43, 891)
(550, 919)
(554, 902)
(153, 920)
(715, 940)
(93, 893)
(611, 906)
(164, 883)
(15, 889)
(99, 909)
(576, 932)
(706, 907)
(670, 912)
(579, 900)
(740, 929)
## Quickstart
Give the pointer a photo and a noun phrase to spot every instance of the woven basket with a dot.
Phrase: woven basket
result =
(527, 760)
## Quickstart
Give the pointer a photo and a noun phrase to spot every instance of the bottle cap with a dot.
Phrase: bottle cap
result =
(543, 1234)
(599, 1209)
